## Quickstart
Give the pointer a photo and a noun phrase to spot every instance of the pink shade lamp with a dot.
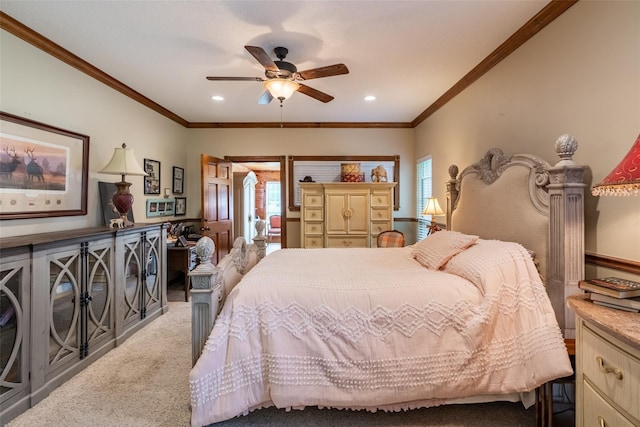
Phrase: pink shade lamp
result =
(624, 180)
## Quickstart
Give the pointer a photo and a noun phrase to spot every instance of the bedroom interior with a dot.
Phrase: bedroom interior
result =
(577, 72)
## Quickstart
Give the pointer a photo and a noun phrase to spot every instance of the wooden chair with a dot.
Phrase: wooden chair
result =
(275, 227)
(390, 239)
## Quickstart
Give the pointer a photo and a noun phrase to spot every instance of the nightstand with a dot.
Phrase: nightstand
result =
(607, 365)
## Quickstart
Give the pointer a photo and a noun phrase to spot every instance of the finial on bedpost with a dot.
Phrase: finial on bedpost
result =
(452, 193)
(566, 146)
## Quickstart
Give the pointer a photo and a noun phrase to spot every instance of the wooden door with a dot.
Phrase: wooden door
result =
(217, 204)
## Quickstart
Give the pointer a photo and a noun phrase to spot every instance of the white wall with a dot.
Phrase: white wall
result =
(580, 75)
(36, 86)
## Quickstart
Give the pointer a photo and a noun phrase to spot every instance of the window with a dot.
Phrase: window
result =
(273, 199)
(424, 191)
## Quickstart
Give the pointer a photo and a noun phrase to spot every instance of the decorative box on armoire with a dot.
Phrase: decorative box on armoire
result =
(344, 214)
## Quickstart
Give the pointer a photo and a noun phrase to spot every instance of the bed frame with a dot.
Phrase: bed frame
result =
(518, 197)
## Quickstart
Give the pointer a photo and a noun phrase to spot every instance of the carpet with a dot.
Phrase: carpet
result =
(143, 383)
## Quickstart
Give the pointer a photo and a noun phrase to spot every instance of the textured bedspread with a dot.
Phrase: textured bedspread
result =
(373, 328)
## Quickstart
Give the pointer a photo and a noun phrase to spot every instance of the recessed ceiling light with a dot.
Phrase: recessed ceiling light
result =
(369, 98)
(217, 98)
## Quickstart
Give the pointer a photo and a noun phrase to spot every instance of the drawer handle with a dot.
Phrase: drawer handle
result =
(601, 422)
(607, 369)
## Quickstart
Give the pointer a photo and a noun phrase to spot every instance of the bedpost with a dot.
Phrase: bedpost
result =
(452, 193)
(260, 240)
(566, 230)
(204, 304)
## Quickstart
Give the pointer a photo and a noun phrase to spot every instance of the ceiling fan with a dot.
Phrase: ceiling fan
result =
(282, 77)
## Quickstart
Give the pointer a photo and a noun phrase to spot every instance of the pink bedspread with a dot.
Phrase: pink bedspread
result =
(372, 328)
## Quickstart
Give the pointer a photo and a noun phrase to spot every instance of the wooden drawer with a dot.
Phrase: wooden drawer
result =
(313, 242)
(312, 199)
(597, 412)
(348, 241)
(313, 214)
(600, 358)
(378, 227)
(381, 199)
(381, 214)
(313, 228)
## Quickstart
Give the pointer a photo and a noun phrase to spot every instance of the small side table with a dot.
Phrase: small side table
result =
(180, 258)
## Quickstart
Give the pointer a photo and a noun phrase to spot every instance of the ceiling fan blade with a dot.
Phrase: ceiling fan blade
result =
(262, 57)
(236, 79)
(329, 70)
(265, 98)
(315, 93)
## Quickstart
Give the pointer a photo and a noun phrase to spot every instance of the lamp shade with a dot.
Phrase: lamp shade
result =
(281, 88)
(432, 207)
(624, 179)
(123, 162)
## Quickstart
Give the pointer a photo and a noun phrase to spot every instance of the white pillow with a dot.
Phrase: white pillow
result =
(436, 249)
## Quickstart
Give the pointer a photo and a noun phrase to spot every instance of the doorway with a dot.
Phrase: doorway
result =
(269, 170)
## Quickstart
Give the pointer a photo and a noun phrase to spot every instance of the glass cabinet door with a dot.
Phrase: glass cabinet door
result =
(132, 280)
(99, 315)
(64, 307)
(152, 287)
(14, 328)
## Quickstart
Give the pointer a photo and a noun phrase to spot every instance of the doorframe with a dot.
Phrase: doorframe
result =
(283, 184)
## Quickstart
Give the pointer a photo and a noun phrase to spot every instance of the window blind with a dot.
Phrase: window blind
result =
(424, 191)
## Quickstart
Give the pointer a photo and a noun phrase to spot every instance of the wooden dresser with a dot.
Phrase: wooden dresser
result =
(344, 214)
(607, 365)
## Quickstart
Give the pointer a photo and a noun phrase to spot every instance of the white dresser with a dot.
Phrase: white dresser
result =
(344, 214)
(607, 365)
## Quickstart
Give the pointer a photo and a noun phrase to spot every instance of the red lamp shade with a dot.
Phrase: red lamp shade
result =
(624, 180)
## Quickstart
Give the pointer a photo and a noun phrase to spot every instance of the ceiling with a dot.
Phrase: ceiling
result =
(406, 53)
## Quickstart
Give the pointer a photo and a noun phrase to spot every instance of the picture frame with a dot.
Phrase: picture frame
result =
(160, 207)
(178, 180)
(43, 169)
(181, 206)
(152, 180)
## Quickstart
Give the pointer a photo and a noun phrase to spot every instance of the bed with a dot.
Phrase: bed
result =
(466, 315)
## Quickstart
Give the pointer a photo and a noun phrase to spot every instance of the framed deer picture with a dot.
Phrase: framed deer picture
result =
(43, 169)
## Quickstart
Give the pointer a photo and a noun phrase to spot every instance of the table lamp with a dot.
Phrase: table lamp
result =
(624, 180)
(123, 163)
(432, 208)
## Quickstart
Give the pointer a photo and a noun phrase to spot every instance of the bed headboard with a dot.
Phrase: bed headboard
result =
(523, 198)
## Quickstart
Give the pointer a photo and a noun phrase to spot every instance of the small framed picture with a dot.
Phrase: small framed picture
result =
(181, 206)
(178, 180)
(160, 207)
(182, 241)
(152, 180)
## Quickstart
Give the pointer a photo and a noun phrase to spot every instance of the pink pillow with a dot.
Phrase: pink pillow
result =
(435, 250)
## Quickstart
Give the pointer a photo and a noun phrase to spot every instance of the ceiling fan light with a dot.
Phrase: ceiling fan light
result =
(281, 88)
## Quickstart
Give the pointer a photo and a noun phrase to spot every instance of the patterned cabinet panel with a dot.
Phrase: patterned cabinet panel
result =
(14, 332)
(141, 292)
